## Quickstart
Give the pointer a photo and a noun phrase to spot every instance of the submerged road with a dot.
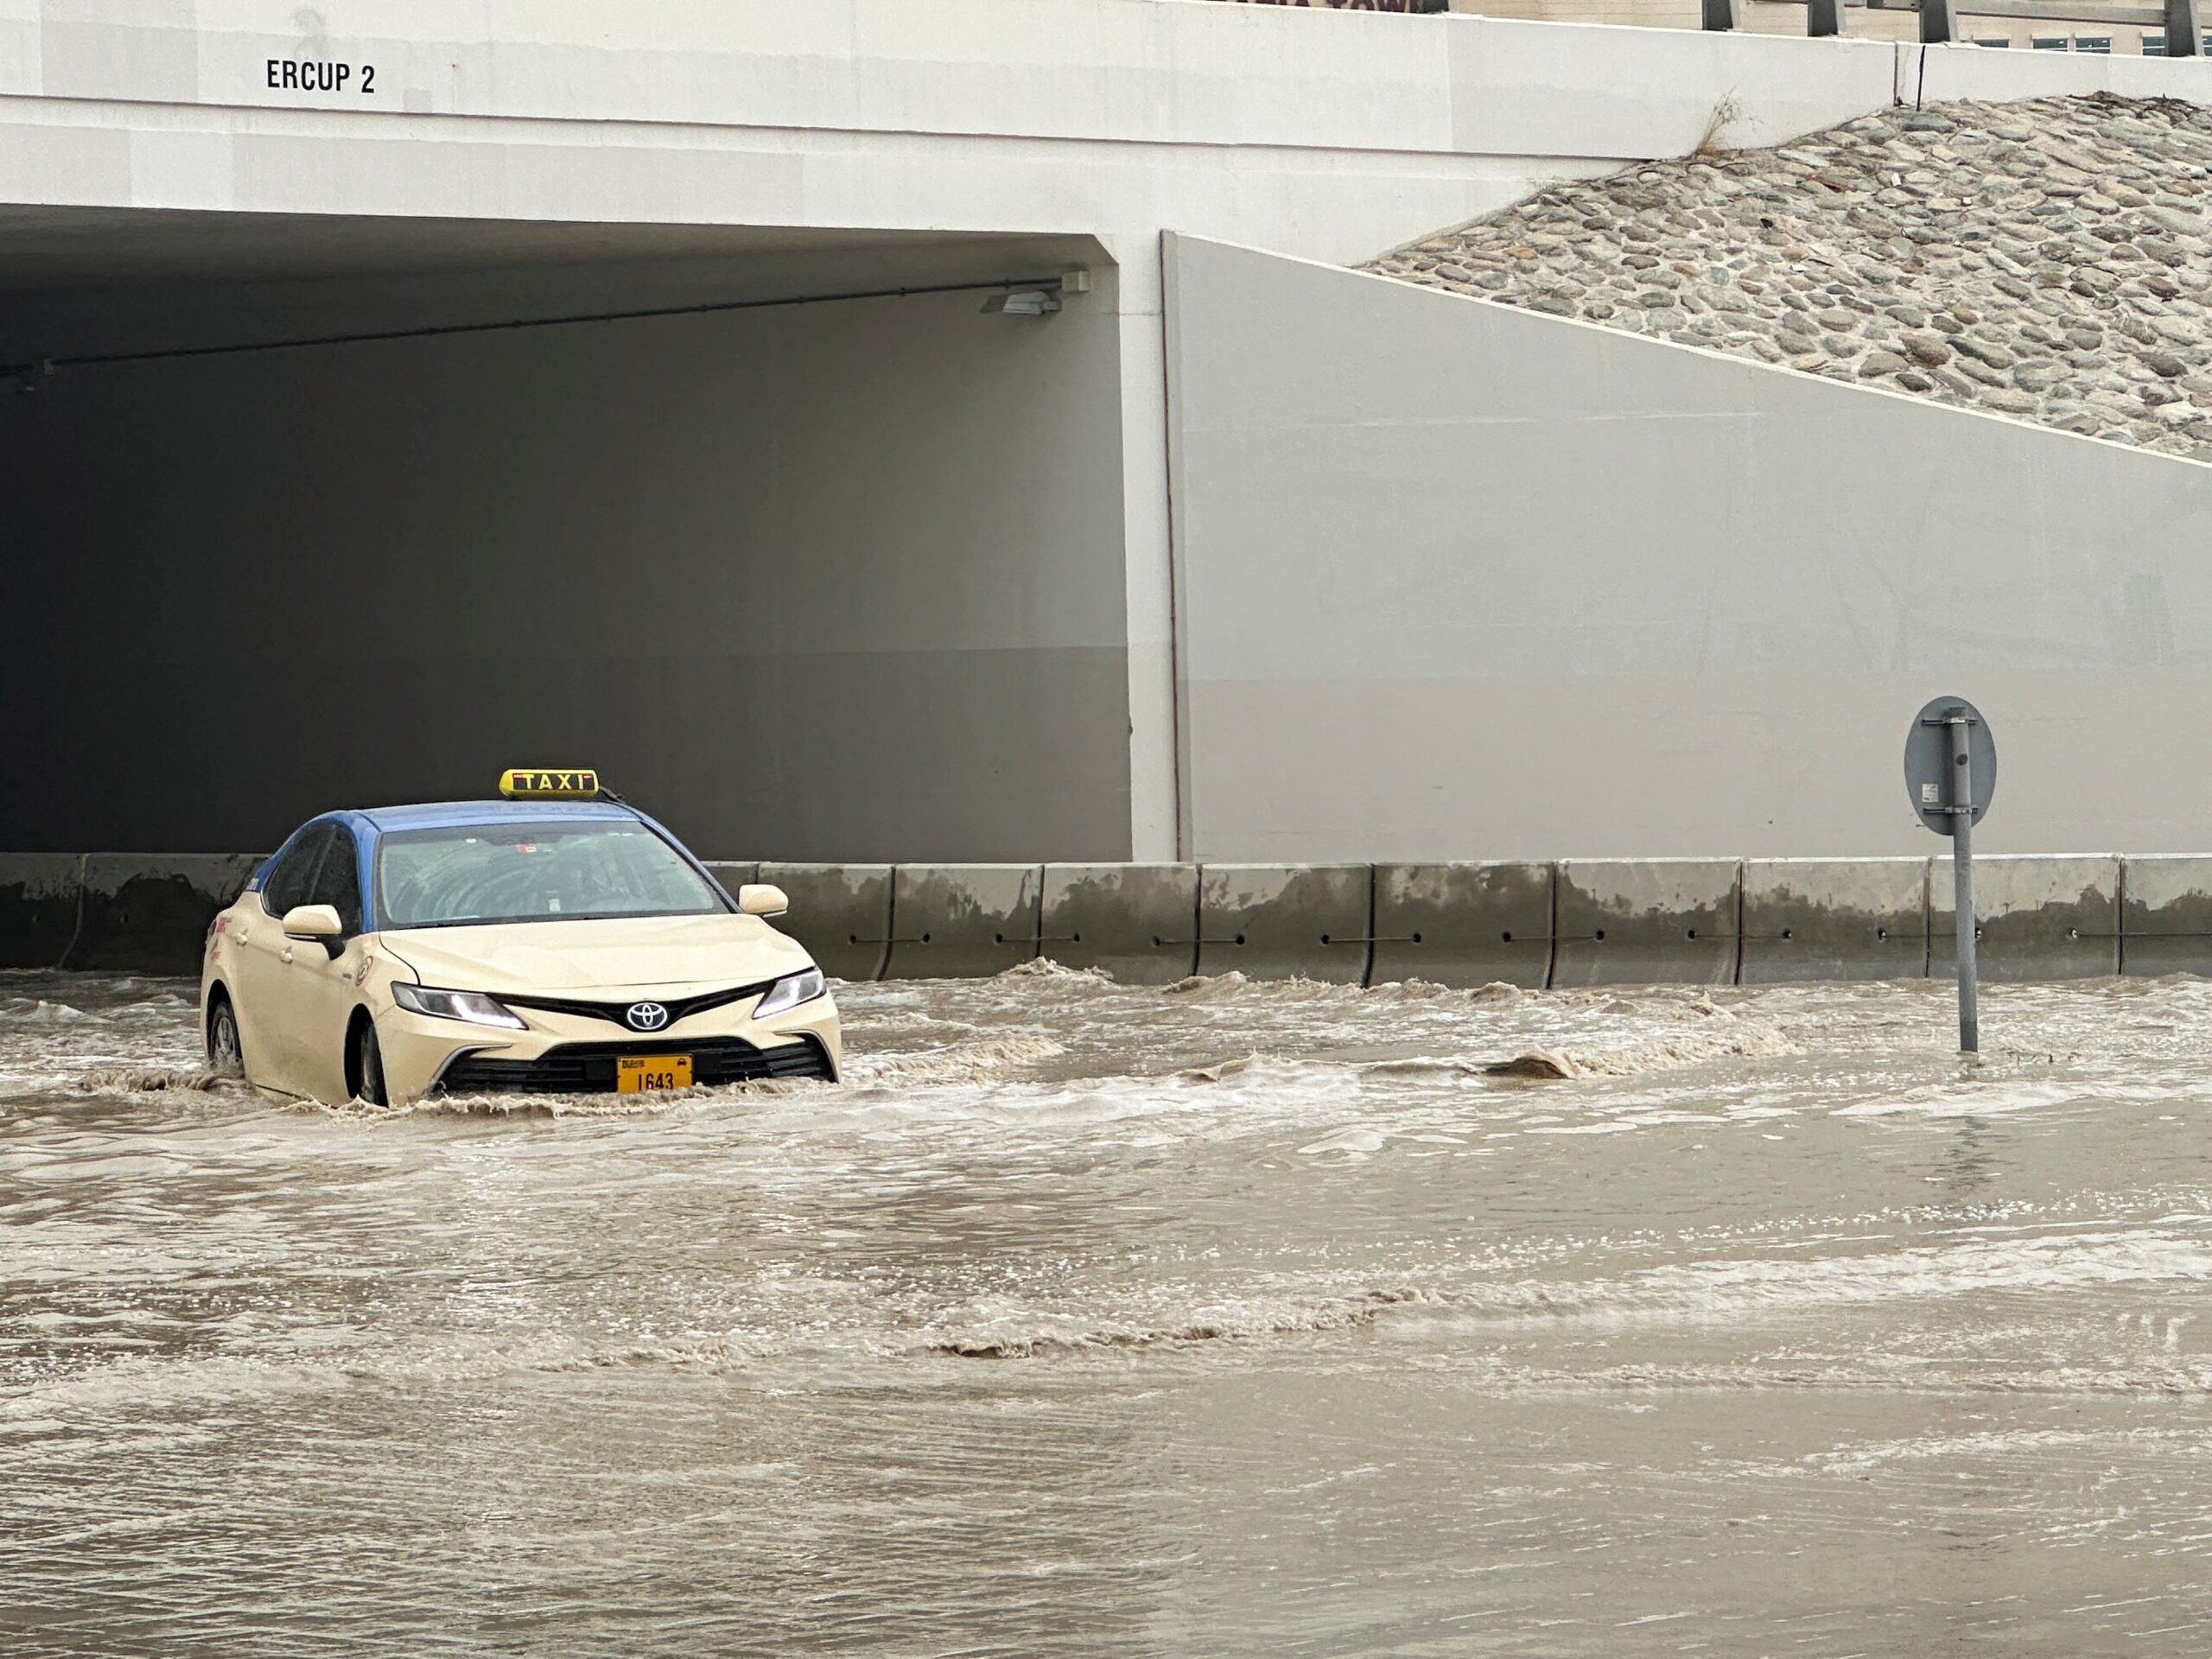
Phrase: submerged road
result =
(1082, 1320)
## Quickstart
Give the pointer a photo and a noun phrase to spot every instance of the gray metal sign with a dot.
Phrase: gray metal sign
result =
(1950, 772)
(1931, 766)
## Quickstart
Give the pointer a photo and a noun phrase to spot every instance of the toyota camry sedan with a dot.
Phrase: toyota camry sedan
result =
(551, 940)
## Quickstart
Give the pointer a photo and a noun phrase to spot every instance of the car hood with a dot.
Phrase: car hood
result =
(665, 954)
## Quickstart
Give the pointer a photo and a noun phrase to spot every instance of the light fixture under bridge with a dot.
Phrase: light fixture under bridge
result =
(1022, 303)
(1036, 301)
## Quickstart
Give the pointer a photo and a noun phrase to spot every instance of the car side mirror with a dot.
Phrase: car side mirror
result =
(317, 922)
(760, 898)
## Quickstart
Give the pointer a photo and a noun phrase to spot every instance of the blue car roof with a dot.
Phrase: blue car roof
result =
(451, 815)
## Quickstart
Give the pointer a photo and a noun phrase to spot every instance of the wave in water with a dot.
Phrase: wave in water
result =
(1663, 1054)
(1215, 1325)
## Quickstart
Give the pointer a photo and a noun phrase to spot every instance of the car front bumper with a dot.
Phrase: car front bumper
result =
(569, 1053)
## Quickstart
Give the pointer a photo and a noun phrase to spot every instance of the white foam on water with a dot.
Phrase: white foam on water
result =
(1663, 1054)
(1023, 1335)
(980, 1061)
(29, 1011)
(1728, 1288)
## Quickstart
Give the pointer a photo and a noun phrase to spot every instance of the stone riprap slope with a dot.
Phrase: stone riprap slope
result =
(2046, 259)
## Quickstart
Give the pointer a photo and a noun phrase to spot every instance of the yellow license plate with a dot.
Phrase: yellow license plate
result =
(636, 1071)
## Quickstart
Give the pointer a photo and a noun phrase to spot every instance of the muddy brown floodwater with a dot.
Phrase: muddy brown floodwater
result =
(1083, 1319)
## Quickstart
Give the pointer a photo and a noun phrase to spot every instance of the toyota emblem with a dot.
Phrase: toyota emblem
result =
(646, 1016)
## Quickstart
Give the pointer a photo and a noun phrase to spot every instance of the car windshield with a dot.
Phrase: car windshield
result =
(534, 871)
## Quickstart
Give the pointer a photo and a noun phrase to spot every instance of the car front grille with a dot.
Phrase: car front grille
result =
(587, 1068)
(678, 1007)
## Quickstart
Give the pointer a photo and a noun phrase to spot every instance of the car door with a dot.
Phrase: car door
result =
(268, 1021)
(320, 989)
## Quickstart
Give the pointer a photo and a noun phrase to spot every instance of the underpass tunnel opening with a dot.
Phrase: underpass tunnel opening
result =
(805, 575)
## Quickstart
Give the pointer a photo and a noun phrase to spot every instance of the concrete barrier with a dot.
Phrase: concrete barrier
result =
(1284, 921)
(1138, 922)
(841, 912)
(2166, 915)
(39, 893)
(149, 913)
(1463, 924)
(964, 921)
(1593, 922)
(1835, 918)
(2041, 917)
(1646, 922)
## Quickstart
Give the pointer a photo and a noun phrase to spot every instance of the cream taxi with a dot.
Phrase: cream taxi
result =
(549, 940)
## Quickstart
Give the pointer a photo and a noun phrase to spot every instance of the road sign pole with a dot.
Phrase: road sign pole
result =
(1950, 772)
(1961, 724)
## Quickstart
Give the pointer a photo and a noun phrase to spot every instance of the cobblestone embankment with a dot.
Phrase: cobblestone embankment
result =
(2047, 259)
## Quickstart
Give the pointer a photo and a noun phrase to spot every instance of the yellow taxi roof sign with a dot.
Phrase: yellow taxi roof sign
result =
(549, 784)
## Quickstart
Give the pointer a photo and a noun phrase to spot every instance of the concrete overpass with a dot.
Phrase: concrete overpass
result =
(815, 575)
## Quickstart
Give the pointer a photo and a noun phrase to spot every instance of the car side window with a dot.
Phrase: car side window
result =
(294, 873)
(338, 880)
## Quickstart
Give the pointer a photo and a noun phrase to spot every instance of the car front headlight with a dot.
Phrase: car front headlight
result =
(471, 1006)
(790, 992)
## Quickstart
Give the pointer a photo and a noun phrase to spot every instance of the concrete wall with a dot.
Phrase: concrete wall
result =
(846, 580)
(1460, 581)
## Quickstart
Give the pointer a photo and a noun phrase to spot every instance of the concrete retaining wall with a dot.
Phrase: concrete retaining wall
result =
(1285, 921)
(841, 912)
(118, 913)
(1353, 535)
(1463, 924)
(151, 914)
(2165, 917)
(39, 893)
(1835, 918)
(1646, 921)
(1138, 922)
(962, 921)
(2041, 918)
(1575, 923)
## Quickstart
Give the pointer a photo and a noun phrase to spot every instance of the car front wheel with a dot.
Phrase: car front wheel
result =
(226, 1058)
(368, 1065)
